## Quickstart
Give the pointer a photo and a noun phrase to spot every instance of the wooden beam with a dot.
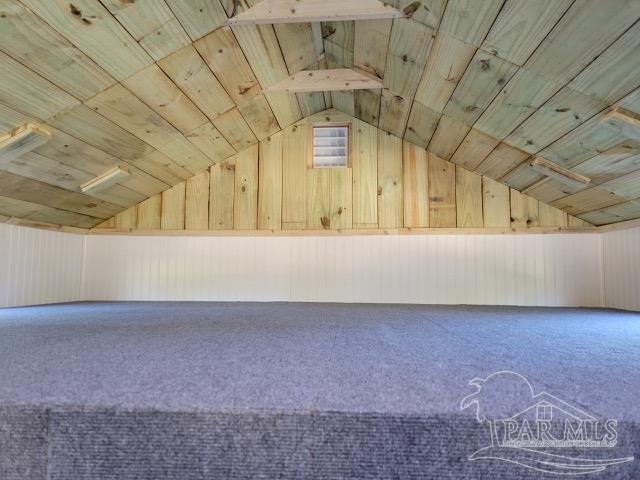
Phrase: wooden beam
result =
(562, 175)
(612, 227)
(21, 140)
(347, 232)
(327, 80)
(627, 121)
(105, 180)
(303, 11)
(24, 222)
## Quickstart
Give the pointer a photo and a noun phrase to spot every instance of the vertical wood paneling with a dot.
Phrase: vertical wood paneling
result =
(390, 183)
(149, 213)
(558, 269)
(39, 266)
(390, 200)
(173, 204)
(196, 215)
(524, 210)
(341, 198)
(468, 199)
(221, 195)
(442, 193)
(294, 176)
(365, 175)
(415, 185)
(318, 199)
(270, 183)
(127, 220)
(550, 216)
(496, 205)
(245, 198)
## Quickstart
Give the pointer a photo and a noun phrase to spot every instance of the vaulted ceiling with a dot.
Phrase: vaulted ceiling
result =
(165, 89)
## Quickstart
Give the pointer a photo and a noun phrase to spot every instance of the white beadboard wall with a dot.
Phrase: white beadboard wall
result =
(39, 266)
(554, 270)
(621, 259)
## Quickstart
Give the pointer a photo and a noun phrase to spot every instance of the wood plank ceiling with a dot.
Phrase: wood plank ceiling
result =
(165, 89)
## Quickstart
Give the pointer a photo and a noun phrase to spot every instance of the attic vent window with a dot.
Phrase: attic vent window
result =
(330, 146)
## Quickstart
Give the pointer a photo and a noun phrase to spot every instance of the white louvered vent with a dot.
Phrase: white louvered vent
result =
(330, 147)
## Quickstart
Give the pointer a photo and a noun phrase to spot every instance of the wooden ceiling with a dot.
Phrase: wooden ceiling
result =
(164, 89)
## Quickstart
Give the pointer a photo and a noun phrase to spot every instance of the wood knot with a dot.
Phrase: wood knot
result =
(243, 188)
(242, 89)
(562, 110)
(326, 223)
(75, 11)
(327, 31)
(379, 190)
(485, 64)
(340, 211)
(410, 9)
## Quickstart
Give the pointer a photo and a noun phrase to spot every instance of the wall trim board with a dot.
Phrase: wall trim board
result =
(24, 222)
(348, 232)
(620, 226)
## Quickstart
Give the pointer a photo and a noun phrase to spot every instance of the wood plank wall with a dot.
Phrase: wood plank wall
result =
(390, 184)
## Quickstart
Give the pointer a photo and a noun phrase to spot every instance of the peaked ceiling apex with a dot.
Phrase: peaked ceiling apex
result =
(297, 11)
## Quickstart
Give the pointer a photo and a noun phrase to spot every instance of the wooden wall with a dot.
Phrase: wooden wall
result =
(390, 184)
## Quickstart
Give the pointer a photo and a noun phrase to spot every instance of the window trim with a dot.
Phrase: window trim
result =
(349, 144)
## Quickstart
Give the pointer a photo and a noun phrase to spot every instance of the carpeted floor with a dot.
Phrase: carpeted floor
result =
(230, 390)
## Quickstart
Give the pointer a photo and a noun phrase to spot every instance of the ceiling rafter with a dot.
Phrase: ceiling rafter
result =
(308, 11)
(327, 80)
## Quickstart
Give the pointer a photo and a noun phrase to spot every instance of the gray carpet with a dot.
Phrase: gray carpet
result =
(228, 390)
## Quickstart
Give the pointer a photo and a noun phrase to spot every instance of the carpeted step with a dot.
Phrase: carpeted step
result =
(109, 444)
